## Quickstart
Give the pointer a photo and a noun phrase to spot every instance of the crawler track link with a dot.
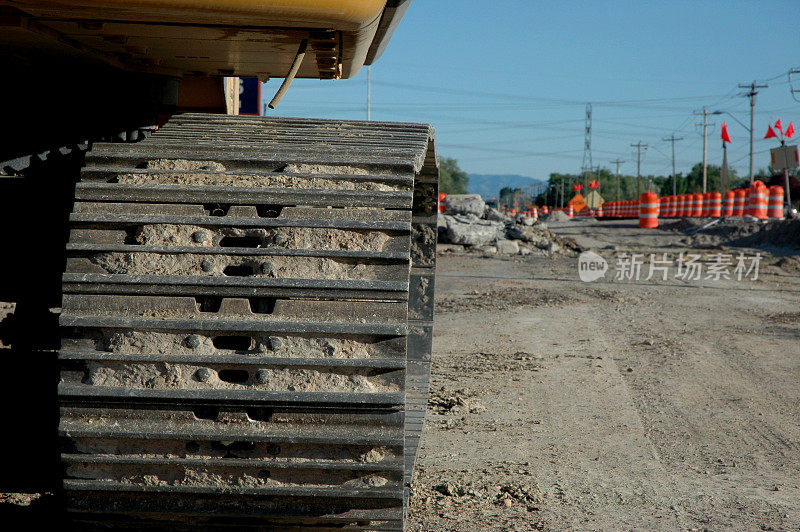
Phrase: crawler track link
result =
(246, 325)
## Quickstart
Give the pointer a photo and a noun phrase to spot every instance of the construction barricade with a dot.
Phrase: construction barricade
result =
(758, 200)
(730, 199)
(714, 204)
(740, 202)
(648, 210)
(775, 206)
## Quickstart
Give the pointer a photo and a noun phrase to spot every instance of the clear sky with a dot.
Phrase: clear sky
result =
(506, 82)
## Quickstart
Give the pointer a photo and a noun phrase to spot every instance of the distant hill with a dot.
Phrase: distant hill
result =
(488, 185)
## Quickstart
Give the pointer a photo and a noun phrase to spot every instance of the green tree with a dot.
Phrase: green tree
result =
(452, 179)
(692, 183)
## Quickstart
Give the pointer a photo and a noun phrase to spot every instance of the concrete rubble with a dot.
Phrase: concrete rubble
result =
(469, 222)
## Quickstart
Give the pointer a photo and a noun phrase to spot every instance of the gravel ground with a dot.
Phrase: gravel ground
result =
(613, 405)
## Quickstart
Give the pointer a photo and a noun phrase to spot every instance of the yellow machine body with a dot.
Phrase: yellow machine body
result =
(244, 38)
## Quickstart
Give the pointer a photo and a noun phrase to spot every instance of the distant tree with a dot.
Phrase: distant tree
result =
(509, 195)
(452, 179)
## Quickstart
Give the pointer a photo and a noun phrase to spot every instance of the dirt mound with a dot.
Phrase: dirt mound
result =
(738, 232)
(558, 216)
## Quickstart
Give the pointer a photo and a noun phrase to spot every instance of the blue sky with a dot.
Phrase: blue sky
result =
(506, 82)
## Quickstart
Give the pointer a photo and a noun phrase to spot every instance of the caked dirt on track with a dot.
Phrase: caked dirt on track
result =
(557, 404)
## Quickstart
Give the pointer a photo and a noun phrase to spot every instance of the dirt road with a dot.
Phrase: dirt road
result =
(613, 405)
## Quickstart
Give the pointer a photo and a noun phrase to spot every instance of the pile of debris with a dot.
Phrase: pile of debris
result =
(469, 222)
(746, 231)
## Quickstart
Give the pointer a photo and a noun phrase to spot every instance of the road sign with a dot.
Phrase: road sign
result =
(784, 158)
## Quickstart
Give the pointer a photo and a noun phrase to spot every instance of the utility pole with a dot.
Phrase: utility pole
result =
(617, 162)
(639, 147)
(705, 114)
(752, 95)
(673, 140)
(369, 93)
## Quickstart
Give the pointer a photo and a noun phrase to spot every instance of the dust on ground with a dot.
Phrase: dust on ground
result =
(613, 405)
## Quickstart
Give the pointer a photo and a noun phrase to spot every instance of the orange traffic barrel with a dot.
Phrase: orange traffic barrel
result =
(512, 211)
(680, 205)
(599, 212)
(758, 200)
(570, 210)
(663, 206)
(739, 201)
(714, 204)
(535, 212)
(697, 205)
(687, 205)
(706, 205)
(730, 199)
(672, 206)
(442, 196)
(545, 210)
(775, 206)
(648, 210)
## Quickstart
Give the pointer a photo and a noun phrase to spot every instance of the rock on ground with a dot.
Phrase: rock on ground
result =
(470, 230)
(507, 247)
(493, 214)
(464, 204)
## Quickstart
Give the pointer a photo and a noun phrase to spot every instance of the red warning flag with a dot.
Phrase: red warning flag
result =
(778, 125)
(789, 131)
(770, 133)
(724, 133)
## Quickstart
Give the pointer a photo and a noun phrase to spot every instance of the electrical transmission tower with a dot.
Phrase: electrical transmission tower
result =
(586, 166)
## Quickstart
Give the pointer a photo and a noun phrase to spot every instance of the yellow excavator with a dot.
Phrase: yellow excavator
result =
(239, 308)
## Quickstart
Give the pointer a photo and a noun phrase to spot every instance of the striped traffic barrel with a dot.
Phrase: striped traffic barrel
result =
(706, 205)
(648, 210)
(775, 205)
(730, 199)
(697, 205)
(740, 201)
(758, 200)
(714, 204)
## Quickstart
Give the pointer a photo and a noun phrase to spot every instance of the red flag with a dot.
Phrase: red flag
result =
(778, 125)
(789, 131)
(770, 133)
(724, 133)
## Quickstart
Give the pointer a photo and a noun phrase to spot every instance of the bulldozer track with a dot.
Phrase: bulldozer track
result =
(246, 325)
